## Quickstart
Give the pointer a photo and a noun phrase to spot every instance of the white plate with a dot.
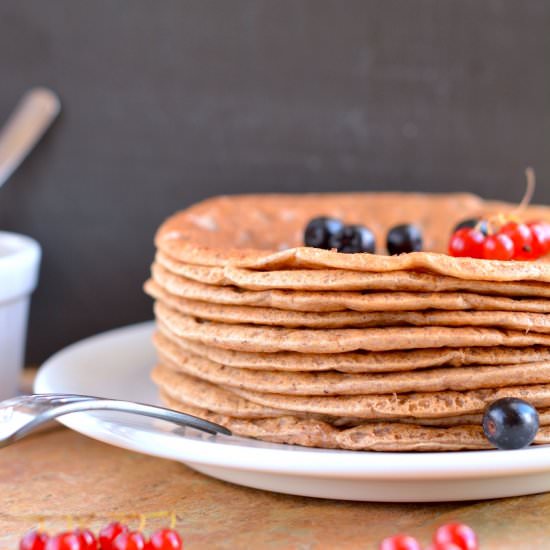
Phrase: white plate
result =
(117, 364)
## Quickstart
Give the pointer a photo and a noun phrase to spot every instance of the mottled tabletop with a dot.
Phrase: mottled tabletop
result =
(60, 479)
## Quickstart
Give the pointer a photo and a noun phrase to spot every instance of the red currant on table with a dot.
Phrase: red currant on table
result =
(540, 233)
(467, 242)
(132, 540)
(64, 541)
(165, 539)
(458, 534)
(109, 533)
(34, 540)
(87, 539)
(522, 237)
(400, 542)
(444, 546)
(498, 247)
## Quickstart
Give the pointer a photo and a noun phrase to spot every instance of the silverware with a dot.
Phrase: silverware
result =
(21, 415)
(32, 116)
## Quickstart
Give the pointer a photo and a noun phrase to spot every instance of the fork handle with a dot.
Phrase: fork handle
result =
(179, 418)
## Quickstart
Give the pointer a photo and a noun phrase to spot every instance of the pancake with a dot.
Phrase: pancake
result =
(272, 339)
(357, 362)
(165, 283)
(264, 232)
(333, 280)
(535, 322)
(334, 383)
(374, 436)
(415, 405)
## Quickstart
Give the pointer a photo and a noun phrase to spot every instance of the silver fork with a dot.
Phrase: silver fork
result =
(21, 415)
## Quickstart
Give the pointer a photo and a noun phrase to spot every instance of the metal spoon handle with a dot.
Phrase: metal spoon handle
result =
(33, 115)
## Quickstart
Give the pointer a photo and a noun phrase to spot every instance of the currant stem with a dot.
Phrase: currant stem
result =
(498, 220)
(530, 189)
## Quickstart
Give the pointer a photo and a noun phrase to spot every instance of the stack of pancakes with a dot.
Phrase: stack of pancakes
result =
(298, 345)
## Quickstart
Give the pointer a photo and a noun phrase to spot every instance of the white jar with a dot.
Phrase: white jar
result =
(19, 265)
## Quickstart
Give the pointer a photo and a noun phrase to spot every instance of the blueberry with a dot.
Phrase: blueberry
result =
(353, 238)
(510, 423)
(319, 230)
(472, 222)
(404, 238)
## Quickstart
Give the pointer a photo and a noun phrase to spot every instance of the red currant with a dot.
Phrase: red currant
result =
(165, 539)
(467, 241)
(132, 540)
(498, 247)
(522, 238)
(108, 534)
(34, 540)
(400, 542)
(444, 546)
(87, 539)
(64, 541)
(458, 534)
(540, 232)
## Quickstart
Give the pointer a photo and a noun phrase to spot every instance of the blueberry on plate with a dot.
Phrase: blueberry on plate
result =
(510, 423)
(352, 239)
(404, 238)
(319, 231)
(472, 222)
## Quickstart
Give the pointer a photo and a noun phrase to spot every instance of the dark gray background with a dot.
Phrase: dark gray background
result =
(168, 102)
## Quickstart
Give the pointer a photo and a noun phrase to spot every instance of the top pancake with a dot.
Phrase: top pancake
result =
(266, 232)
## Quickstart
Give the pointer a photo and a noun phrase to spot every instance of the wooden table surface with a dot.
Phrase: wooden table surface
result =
(66, 477)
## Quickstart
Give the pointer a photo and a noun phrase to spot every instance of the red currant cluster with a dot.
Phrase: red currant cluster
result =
(114, 536)
(511, 241)
(452, 536)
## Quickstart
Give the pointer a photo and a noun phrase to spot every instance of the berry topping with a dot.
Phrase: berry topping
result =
(540, 233)
(498, 247)
(108, 534)
(319, 231)
(511, 241)
(33, 540)
(455, 535)
(479, 224)
(510, 423)
(132, 540)
(467, 242)
(506, 236)
(165, 539)
(353, 238)
(400, 542)
(64, 541)
(404, 238)
(87, 539)
(522, 238)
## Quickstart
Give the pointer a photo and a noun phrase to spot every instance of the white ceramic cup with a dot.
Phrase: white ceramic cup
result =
(19, 266)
